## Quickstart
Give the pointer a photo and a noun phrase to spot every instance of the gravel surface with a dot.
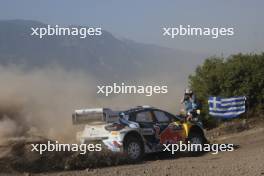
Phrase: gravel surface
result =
(247, 159)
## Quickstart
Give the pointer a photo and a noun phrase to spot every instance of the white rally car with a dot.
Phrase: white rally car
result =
(135, 131)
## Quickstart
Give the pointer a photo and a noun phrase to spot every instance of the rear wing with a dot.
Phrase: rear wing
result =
(94, 115)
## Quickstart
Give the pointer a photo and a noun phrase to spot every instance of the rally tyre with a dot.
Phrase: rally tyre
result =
(134, 149)
(195, 138)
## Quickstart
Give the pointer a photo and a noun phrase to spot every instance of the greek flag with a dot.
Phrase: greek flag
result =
(227, 107)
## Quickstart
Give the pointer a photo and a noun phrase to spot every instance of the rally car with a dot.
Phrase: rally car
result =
(136, 131)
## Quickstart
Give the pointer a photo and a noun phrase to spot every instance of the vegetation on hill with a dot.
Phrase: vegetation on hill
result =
(237, 75)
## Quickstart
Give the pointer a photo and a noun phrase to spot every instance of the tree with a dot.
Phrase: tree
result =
(241, 74)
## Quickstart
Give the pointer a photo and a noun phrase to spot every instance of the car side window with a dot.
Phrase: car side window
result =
(144, 117)
(161, 116)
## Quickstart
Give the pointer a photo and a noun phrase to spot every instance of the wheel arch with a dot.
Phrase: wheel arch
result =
(197, 130)
(134, 134)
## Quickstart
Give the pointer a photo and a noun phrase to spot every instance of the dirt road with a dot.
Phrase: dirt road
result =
(248, 159)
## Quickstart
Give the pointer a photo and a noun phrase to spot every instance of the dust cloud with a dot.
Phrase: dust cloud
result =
(40, 101)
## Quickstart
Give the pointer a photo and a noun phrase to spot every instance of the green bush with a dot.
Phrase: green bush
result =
(237, 75)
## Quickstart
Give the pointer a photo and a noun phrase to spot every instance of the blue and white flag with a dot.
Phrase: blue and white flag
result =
(227, 107)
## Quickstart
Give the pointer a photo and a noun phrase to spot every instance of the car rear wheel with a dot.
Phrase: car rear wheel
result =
(134, 149)
(199, 141)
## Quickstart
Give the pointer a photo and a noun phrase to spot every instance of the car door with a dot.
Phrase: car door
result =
(146, 122)
(167, 130)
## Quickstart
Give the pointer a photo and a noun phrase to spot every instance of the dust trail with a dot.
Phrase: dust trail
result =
(41, 101)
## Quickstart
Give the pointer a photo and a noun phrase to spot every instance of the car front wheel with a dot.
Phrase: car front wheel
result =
(134, 149)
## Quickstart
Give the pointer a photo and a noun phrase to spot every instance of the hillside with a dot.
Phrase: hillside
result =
(105, 56)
